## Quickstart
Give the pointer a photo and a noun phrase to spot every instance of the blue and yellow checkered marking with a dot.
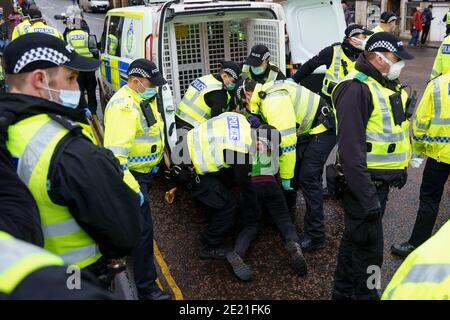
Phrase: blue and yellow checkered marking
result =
(149, 158)
(289, 148)
(432, 139)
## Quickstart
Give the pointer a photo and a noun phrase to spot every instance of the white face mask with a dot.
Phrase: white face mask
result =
(361, 43)
(69, 98)
(394, 68)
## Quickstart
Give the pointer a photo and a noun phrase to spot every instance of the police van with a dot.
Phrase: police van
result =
(188, 39)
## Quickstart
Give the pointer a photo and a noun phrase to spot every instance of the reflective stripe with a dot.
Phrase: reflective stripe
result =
(272, 75)
(422, 126)
(187, 118)
(434, 73)
(143, 121)
(287, 132)
(147, 139)
(35, 148)
(80, 254)
(383, 137)
(441, 121)
(308, 114)
(60, 228)
(337, 63)
(435, 273)
(190, 104)
(437, 98)
(387, 126)
(119, 150)
(279, 94)
(384, 158)
(13, 253)
(198, 150)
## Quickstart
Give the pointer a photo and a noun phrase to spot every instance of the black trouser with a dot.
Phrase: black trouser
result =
(312, 155)
(447, 31)
(143, 258)
(425, 31)
(270, 198)
(214, 192)
(87, 81)
(361, 247)
(435, 176)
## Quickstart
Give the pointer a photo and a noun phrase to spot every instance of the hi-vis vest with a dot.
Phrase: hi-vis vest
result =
(19, 259)
(305, 104)
(41, 27)
(79, 40)
(431, 128)
(20, 29)
(448, 18)
(425, 274)
(32, 142)
(146, 150)
(193, 108)
(340, 66)
(272, 76)
(207, 142)
(388, 145)
(113, 43)
(442, 62)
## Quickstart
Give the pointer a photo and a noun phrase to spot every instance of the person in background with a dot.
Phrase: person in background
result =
(348, 14)
(14, 17)
(3, 32)
(416, 27)
(427, 16)
(446, 19)
(388, 21)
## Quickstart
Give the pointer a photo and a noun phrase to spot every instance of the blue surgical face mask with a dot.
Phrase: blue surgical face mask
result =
(230, 86)
(148, 92)
(69, 98)
(258, 70)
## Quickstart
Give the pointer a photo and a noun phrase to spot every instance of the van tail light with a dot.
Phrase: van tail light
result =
(149, 47)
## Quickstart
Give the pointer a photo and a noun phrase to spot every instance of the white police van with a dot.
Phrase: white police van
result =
(188, 39)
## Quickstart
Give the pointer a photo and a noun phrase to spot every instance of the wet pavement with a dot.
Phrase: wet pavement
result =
(177, 227)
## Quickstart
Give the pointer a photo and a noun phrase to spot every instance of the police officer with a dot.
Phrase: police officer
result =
(207, 96)
(88, 215)
(442, 62)
(388, 21)
(339, 58)
(79, 40)
(431, 134)
(446, 19)
(134, 132)
(28, 272)
(208, 161)
(425, 274)
(112, 42)
(307, 130)
(374, 151)
(37, 24)
(257, 66)
(21, 28)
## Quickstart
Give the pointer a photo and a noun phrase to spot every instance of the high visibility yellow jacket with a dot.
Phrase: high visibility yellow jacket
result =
(340, 66)
(43, 28)
(193, 108)
(137, 146)
(33, 141)
(20, 29)
(425, 274)
(113, 43)
(19, 259)
(442, 62)
(378, 28)
(431, 128)
(79, 40)
(272, 76)
(388, 145)
(207, 142)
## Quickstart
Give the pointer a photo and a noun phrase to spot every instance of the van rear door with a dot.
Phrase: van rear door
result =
(312, 25)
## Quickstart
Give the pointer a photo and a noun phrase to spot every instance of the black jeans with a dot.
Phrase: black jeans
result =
(270, 198)
(425, 31)
(143, 258)
(435, 176)
(214, 192)
(361, 247)
(311, 158)
(88, 83)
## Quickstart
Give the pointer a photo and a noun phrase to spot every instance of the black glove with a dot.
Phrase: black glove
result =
(183, 176)
(400, 181)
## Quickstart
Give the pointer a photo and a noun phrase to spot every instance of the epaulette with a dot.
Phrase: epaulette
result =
(361, 77)
(65, 122)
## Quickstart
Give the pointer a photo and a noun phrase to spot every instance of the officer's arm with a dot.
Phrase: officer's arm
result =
(323, 58)
(120, 132)
(88, 180)
(422, 120)
(437, 66)
(354, 106)
(217, 101)
(279, 112)
(280, 74)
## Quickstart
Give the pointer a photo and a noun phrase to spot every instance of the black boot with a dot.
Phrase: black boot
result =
(402, 249)
(297, 258)
(240, 269)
